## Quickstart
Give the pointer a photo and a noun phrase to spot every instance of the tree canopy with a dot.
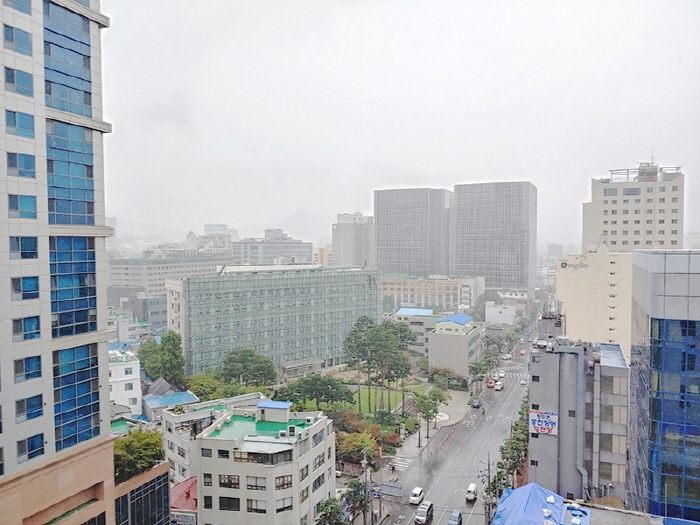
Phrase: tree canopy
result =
(248, 368)
(164, 359)
(136, 452)
(322, 389)
(478, 310)
(208, 386)
(330, 513)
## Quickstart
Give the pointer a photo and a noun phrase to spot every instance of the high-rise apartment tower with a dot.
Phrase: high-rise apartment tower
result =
(353, 240)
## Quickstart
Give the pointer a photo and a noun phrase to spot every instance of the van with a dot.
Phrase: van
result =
(471, 492)
(424, 513)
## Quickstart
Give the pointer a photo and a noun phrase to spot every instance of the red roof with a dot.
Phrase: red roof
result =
(183, 496)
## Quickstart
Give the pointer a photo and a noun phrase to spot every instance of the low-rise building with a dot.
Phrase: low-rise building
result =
(265, 466)
(500, 313)
(124, 380)
(153, 406)
(421, 322)
(445, 294)
(183, 502)
(454, 343)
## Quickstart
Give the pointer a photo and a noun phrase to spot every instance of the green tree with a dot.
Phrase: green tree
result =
(478, 310)
(428, 409)
(331, 513)
(164, 359)
(352, 447)
(208, 387)
(356, 347)
(136, 453)
(357, 497)
(322, 389)
(248, 368)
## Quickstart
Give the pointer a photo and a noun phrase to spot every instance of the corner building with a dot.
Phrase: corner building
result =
(56, 455)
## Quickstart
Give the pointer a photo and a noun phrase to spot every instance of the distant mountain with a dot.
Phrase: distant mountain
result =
(308, 226)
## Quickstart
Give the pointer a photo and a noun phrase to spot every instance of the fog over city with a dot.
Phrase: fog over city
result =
(246, 112)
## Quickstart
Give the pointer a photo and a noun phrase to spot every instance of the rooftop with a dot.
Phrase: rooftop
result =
(414, 311)
(612, 355)
(456, 318)
(177, 398)
(240, 427)
(183, 496)
(275, 404)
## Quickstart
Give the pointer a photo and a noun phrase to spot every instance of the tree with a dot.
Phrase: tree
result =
(331, 513)
(357, 497)
(249, 368)
(322, 389)
(164, 359)
(352, 447)
(478, 310)
(428, 409)
(356, 347)
(136, 452)
(208, 387)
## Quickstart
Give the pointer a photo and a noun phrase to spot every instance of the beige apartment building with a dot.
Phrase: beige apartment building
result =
(447, 294)
(595, 290)
(635, 209)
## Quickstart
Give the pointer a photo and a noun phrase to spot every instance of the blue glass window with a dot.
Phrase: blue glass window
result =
(30, 448)
(21, 124)
(22, 206)
(86, 3)
(21, 165)
(25, 288)
(70, 174)
(27, 368)
(76, 395)
(17, 40)
(67, 60)
(19, 82)
(145, 505)
(24, 6)
(25, 328)
(23, 248)
(73, 289)
(29, 408)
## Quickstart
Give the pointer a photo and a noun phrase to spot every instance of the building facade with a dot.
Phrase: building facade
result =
(266, 466)
(493, 233)
(595, 290)
(275, 248)
(665, 418)
(636, 209)
(149, 275)
(353, 240)
(579, 397)
(125, 380)
(290, 314)
(402, 290)
(412, 231)
(454, 343)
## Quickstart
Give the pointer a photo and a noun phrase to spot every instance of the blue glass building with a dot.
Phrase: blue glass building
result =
(665, 413)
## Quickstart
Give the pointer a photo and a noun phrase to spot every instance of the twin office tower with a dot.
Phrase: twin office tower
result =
(479, 230)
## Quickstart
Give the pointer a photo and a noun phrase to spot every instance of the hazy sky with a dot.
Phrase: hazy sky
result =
(242, 112)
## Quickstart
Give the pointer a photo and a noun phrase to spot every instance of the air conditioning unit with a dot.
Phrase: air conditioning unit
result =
(228, 419)
(309, 421)
(283, 433)
(291, 430)
(218, 427)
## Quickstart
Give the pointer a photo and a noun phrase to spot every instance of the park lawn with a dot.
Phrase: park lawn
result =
(391, 398)
(417, 389)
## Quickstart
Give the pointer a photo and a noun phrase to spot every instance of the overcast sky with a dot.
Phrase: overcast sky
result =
(243, 112)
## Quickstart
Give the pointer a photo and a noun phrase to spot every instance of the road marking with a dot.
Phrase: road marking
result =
(400, 463)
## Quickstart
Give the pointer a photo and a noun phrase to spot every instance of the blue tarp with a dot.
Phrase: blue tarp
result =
(526, 506)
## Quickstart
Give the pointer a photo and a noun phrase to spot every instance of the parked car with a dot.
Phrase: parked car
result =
(424, 513)
(476, 403)
(416, 496)
(491, 383)
(455, 518)
(506, 356)
(523, 382)
(498, 385)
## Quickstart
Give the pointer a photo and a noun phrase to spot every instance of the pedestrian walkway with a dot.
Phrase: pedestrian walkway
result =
(400, 463)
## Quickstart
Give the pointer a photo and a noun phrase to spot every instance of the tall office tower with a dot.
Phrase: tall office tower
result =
(412, 231)
(665, 389)
(579, 398)
(493, 233)
(55, 446)
(353, 240)
(635, 209)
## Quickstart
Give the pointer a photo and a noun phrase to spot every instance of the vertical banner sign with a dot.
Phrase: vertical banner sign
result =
(544, 422)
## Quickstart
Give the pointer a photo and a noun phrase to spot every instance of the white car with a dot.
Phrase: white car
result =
(501, 373)
(498, 385)
(506, 356)
(523, 382)
(416, 496)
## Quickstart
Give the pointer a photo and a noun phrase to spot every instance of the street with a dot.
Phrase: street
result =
(458, 455)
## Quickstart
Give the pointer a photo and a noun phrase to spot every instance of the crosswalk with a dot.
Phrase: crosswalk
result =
(400, 463)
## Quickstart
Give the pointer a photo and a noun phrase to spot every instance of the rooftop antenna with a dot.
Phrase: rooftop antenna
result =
(652, 155)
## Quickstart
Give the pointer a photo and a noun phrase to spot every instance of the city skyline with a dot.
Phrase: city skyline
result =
(314, 107)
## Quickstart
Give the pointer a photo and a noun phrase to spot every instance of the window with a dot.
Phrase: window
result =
(207, 479)
(610, 192)
(661, 221)
(605, 212)
(20, 124)
(30, 448)
(605, 202)
(23, 248)
(674, 242)
(255, 483)
(24, 288)
(535, 406)
(304, 495)
(650, 190)
(648, 232)
(226, 503)
(662, 210)
(25, 329)
(662, 189)
(318, 437)
(27, 368)
(283, 482)
(650, 201)
(614, 212)
(23, 6)
(319, 460)
(304, 473)
(637, 212)
(535, 379)
(329, 430)
(674, 199)
(17, 40)
(662, 200)
(2, 461)
(636, 243)
(171, 445)
(674, 210)
(330, 452)
(256, 505)
(625, 201)
(129, 386)
(229, 481)
(207, 502)
(572, 413)
(206, 452)
(661, 232)
(22, 206)
(19, 82)
(224, 454)
(625, 212)
(128, 371)
(181, 452)
(624, 232)
(632, 191)
(674, 232)
(283, 504)
(318, 482)
(637, 201)
(533, 462)
(674, 221)
(29, 408)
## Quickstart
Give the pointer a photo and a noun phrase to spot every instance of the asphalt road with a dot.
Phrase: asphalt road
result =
(458, 456)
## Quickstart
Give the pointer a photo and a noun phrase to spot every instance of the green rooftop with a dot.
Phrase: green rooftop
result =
(242, 426)
(120, 427)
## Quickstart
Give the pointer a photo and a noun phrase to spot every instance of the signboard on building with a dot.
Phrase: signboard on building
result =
(183, 518)
(544, 422)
